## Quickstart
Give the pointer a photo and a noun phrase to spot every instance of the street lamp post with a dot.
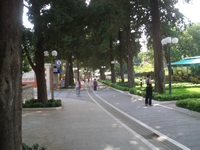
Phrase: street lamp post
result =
(167, 41)
(54, 54)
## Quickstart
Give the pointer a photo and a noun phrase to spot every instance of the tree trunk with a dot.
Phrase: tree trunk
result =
(39, 56)
(166, 54)
(71, 80)
(129, 57)
(112, 73)
(70, 70)
(67, 73)
(40, 74)
(10, 74)
(112, 65)
(104, 77)
(78, 75)
(101, 73)
(121, 58)
(158, 53)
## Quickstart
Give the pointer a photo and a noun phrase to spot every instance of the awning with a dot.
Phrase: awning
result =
(187, 62)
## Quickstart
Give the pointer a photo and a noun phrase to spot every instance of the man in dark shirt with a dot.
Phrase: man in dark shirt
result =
(148, 90)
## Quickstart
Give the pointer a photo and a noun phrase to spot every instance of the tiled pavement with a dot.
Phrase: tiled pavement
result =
(178, 124)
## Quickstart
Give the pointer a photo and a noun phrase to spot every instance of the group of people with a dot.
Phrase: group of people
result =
(78, 86)
(84, 79)
(148, 98)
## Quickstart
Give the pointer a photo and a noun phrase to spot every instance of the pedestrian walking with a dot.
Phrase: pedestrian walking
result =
(148, 98)
(95, 85)
(88, 79)
(78, 87)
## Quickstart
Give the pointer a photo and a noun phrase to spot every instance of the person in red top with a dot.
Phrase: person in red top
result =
(95, 85)
(88, 80)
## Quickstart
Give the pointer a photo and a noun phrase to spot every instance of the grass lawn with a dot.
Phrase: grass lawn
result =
(179, 91)
(175, 89)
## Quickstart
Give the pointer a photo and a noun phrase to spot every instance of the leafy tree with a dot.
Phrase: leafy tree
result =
(159, 14)
(104, 31)
(189, 43)
(66, 22)
(52, 27)
(36, 17)
(10, 74)
(28, 44)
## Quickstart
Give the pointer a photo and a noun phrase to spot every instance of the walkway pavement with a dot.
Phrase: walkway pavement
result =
(111, 120)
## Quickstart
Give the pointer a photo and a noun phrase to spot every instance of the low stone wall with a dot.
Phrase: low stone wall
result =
(27, 92)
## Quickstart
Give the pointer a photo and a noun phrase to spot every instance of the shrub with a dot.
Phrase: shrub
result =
(159, 97)
(141, 91)
(137, 92)
(191, 104)
(34, 147)
(36, 104)
(108, 82)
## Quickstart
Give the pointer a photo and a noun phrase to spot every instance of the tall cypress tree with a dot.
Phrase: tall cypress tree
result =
(10, 74)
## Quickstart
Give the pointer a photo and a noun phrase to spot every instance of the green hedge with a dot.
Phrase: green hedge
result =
(34, 103)
(137, 92)
(156, 96)
(191, 104)
(159, 97)
(114, 85)
(34, 147)
(182, 85)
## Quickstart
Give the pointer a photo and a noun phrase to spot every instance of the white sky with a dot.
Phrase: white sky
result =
(191, 10)
(26, 23)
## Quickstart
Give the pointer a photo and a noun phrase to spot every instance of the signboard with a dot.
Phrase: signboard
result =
(28, 79)
(58, 62)
(57, 70)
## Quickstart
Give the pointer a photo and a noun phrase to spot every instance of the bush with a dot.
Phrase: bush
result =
(108, 82)
(137, 92)
(191, 104)
(141, 91)
(159, 97)
(34, 103)
(34, 147)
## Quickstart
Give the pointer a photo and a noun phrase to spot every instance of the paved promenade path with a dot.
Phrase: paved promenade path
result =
(110, 120)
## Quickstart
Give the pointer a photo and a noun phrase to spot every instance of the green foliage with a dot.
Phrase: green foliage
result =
(28, 43)
(145, 68)
(117, 68)
(178, 89)
(189, 43)
(34, 147)
(137, 92)
(114, 85)
(33, 103)
(190, 103)
(176, 85)
(195, 70)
